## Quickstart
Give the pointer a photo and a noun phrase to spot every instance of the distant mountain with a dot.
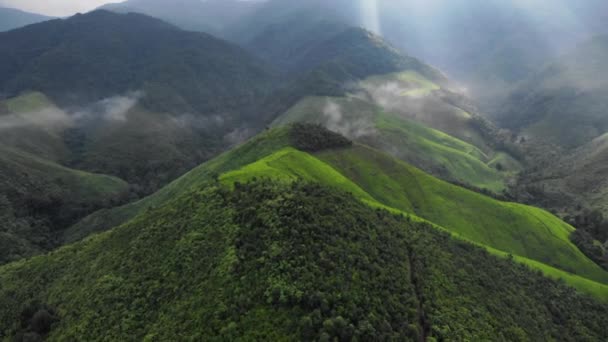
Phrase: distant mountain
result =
(565, 103)
(458, 36)
(212, 16)
(147, 101)
(11, 19)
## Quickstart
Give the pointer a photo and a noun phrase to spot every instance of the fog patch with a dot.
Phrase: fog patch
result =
(113, 108)
(198, 122)
(238, 136)
(337, 121)
(50, 117)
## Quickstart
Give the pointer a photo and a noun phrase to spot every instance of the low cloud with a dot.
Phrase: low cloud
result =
(45, 118)
(354, 128)
(113, 108)
(198, 121)
(238, 136)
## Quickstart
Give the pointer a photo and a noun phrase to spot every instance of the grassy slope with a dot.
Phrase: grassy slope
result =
(526, 232)
(406, 139)
(510, 227)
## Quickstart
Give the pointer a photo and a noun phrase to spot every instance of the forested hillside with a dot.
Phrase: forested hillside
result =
(279, 261)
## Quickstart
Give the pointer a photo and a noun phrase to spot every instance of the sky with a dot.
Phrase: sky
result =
(57, 8)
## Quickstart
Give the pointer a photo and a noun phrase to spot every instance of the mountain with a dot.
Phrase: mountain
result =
(456, 36)
(564, 104)
(11, 19)
(211, 16)
(145, 100)
(352, 81)
(305, 254)
(384, 182)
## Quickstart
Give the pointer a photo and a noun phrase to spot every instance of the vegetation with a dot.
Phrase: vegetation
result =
(291, 261)
(383, 182)
(314, 138)
(407, 139)
(591, 236)
(39, 198)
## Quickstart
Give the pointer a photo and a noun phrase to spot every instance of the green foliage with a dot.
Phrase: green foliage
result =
(38, 198)
(179, 71)
(297, 261)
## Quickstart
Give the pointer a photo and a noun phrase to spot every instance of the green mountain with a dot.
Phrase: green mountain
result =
(564, 104)
(531, 235)
(11, 19)
(145, 101)
(315, 251)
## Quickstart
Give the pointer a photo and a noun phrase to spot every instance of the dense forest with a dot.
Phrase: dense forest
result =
(285, 262)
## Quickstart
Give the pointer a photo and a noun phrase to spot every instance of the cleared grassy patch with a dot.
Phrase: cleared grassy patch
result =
(513, 228)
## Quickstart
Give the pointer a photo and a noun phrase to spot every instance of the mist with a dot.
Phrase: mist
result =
(51, 118)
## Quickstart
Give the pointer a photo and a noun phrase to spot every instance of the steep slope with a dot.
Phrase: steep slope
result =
(565, 103)
(267, 261)
(11, 19)
(143, 100)
(538, 238)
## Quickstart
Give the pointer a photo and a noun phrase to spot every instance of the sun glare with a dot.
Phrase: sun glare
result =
(369, 15)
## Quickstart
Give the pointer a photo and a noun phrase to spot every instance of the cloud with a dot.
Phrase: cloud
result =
(50, 117)
(354, 128)
(113, 108)
(197, 121)
(238, 136)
